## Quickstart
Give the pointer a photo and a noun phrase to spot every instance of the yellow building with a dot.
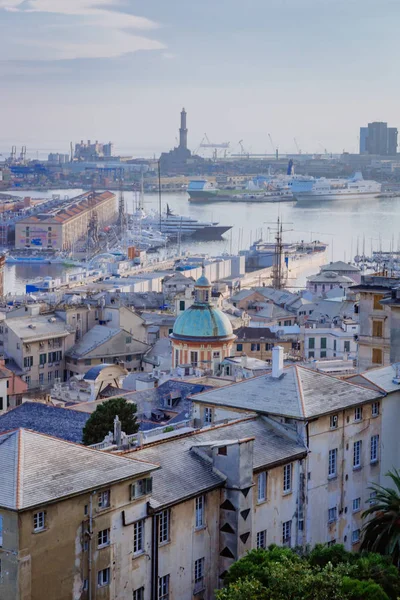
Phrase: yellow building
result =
(60, 228)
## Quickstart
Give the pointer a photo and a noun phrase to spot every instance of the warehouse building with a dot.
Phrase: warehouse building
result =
(60, 228)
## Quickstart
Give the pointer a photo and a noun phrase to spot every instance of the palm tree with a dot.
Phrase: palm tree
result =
(381, 533)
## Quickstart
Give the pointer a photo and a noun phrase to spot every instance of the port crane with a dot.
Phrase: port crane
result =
(206, 144)
(297, 146)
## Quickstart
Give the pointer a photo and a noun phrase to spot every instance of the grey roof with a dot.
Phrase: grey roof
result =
(39, 469)
(255, 333)
(184, 473)
(299, 393)
(382, 378)
(339, 265)
(38, 327)
(43, 418)
(329, 277)
(92, 341)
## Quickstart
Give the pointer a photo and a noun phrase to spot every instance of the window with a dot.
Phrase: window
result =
(1, 531)
(27, 379)
(357, 455)
(311, 343)
(377, 302)
(103, 577)
(164, 527)
(255, 347)
(1, 403)
(262, 539)
(104, 499)
(28, 361)
(377, 329)
(372, 498)
(332, 514)
(138, 537)
(193, 359)
(208, 415)
(377, 356)
(356, 504)
(41, 378)
(287, 323)
(334, 345)
(333, 421)
(287, 478)
(199, 510)
(49, 376)
(86, 510)
(239, 347)
(38, 521)
(199, 574)
(141, 487)
(374, 448)
(262, 487)
(42, 359)
(103, 538)
(138, 594)
(332, 463)
(88, 361)
(181, 305)
(163, 588)
(85, 585)
(374, 409)
(323, 343)
(323, 353)
(346, 346)
(300, 525)
(355, 536)
(286, 532)
(358, 413)
(311, 354)
(128, 340)
(56, 374)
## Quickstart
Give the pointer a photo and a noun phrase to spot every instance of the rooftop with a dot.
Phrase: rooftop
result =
(38, 469)
(298, 393)
(38, 327)
(381, 378)
(329, 277)
(184, 473)
(99, 335)
(43, 418)
(255, 333)
(340, 266)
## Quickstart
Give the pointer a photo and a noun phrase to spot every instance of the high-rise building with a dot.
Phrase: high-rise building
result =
(378, 139)
(392, 141)
(363, 140)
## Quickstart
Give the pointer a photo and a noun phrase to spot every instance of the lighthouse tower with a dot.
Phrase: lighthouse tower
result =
(183, 131)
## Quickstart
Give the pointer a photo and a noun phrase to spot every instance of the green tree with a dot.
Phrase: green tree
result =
(362, 590)
(382, 532)
(244, 589)
(101, 422)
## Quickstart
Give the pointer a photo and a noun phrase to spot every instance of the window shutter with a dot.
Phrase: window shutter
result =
(149, 485)
(133, 491)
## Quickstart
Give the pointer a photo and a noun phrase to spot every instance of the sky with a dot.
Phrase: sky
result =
(121, 70)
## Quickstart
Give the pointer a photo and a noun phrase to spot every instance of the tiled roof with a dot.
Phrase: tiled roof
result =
(51, 420)
(299, 393)
(38, 327)
(39, 469)
(184, 473)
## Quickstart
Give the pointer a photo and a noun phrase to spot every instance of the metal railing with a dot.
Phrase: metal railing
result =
(140, 437)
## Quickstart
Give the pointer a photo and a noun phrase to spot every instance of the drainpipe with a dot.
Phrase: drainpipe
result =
(90, 535)
(154, 557)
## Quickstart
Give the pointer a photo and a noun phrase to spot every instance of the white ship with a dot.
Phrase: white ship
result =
(312, 189)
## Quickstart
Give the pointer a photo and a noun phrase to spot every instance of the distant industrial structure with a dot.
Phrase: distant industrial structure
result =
(94, 151)
(378, 139)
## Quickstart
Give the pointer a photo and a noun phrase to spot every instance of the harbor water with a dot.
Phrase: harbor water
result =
(348, 226)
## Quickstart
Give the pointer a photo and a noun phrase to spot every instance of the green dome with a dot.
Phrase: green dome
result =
(202, 321)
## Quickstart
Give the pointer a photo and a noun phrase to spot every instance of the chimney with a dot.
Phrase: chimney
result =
(243, 360)
(277, 361)
(117, 431)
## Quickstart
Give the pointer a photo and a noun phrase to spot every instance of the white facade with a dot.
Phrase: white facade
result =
(330, 342)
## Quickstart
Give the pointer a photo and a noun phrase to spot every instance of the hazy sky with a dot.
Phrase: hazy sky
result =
(121, 70)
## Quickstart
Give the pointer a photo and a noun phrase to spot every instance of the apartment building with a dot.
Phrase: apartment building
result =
(330, 342)
(61, 228)
(375, 321)
(103, 344)
(35, 347)
(69, 519)
(257, 342)
(338, 421)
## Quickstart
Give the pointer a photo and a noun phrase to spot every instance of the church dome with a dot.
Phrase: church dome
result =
(202, 319)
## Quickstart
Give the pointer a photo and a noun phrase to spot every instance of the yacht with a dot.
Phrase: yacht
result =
(179, 227)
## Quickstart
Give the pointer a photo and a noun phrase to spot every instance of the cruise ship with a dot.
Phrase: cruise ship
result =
(204, 191)
(180, 227)
(312, 189)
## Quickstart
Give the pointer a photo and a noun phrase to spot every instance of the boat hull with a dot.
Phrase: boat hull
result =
(203, 234)
(206, 196)
(307, 197)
